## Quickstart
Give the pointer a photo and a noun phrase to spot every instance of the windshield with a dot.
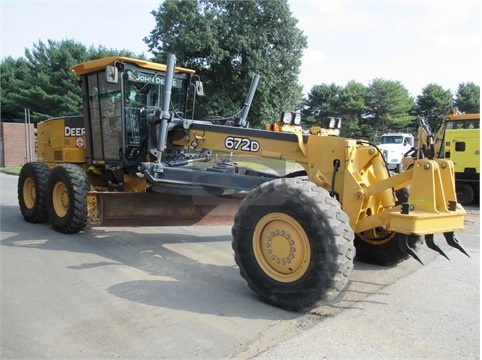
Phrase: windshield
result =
(392, 139)
(146, 90)
(464, 124)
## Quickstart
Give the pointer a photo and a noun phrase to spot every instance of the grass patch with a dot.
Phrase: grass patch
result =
(11, 169)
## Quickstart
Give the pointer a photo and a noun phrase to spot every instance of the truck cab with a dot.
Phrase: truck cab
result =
(393, 147)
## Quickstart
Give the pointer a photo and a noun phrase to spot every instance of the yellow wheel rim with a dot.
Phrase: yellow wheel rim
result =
(60, 199)
(281, 247)
(372, 237)
(29, 193)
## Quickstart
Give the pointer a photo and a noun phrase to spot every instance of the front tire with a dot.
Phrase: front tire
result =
(67, 189)
(32, 191)
(381, 248)
(293, 244)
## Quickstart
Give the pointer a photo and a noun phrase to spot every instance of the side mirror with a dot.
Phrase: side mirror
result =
(112, 74)
(199, 88)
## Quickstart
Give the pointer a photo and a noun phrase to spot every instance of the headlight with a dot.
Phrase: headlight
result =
(286, 118)
(335, 123)
(297, 118)
(332, 123)
(291, 118)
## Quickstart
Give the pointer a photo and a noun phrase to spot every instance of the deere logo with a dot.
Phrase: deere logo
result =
(74, 131)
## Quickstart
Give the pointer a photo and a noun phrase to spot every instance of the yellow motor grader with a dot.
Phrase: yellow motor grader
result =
(135, 154)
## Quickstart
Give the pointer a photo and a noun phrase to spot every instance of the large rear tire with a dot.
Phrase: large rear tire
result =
(67, 189)
(32, 191)
(293, 244)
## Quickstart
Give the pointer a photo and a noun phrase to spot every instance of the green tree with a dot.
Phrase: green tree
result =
(389, 107)
(467, 98)
(43, 82)
(352, 105)
(51, 88)
(12, 78)
(228, 42)
(433, 103)
(323, 101)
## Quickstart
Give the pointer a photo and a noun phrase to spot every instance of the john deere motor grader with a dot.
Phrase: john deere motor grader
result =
(135, 154)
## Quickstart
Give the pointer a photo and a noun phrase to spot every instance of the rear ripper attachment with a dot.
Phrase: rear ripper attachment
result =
(432, 192)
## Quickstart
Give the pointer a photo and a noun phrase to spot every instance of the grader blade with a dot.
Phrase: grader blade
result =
(403, 244)
(454, 242)
(431, 244)
(156, 209)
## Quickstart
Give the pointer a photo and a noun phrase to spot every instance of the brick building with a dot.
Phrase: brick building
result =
(14, 148)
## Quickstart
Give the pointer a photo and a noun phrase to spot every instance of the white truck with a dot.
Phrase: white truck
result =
(393, 147)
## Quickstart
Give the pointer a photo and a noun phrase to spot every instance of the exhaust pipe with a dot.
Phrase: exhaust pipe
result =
(249, 100)
(166, 101)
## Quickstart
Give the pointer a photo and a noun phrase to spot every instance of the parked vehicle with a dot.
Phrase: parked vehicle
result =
(135, 152)
(394, 146)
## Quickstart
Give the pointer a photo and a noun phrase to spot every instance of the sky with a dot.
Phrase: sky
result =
(414, 42)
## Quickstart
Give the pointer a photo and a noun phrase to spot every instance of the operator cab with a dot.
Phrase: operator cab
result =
(120, 95)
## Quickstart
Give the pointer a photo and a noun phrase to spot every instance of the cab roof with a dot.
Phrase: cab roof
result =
(92, 66)
(462, 117)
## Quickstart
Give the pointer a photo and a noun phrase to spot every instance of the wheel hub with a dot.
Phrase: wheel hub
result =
(29, 193)
(281, 247)
(60, 199)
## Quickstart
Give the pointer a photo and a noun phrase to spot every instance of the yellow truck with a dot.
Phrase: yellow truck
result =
(457, 139)
(461, 143)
